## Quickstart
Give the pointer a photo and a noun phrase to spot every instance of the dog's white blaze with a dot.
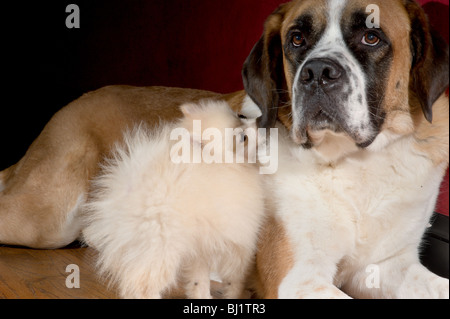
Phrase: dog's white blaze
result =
(296, 116)
(334, 16)
(331, 44)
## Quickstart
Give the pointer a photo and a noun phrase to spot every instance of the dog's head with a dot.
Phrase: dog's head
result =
(348, 68)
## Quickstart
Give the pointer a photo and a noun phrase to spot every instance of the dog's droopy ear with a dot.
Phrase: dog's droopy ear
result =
(263, 73)
(429, 72)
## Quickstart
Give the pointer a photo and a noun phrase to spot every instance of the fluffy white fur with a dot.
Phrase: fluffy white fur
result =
(155, 223)
(354, 220)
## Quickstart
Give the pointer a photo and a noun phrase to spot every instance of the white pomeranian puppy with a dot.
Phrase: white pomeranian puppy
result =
(158, 222)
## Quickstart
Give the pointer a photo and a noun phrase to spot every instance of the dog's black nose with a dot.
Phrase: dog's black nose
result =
(323, 72)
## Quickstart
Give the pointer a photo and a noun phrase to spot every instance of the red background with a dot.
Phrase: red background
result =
(185, 43)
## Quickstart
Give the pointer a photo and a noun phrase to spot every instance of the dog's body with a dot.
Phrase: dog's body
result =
(352, 203)
(355, 224)
(155, 221)
(43, 193)
(364, 151)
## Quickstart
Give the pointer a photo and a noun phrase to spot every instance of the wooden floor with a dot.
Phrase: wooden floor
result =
(41, 274)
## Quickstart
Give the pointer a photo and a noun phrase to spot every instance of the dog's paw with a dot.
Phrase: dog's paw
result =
(440, 288)
(420, 283)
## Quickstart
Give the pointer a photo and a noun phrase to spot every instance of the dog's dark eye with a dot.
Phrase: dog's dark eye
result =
(298, 39)
(370, 39)
(242, 116)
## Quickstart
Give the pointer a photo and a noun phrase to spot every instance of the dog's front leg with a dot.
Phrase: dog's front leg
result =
(319, 239)
(315, 266)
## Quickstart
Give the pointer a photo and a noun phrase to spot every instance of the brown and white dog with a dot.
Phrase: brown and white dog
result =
(364, 138)
(363, 149)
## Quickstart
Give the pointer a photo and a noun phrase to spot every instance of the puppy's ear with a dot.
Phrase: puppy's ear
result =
(190, 109)
(263, 73)
(429, 71)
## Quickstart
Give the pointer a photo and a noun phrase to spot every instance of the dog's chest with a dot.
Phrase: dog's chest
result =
(370, 203)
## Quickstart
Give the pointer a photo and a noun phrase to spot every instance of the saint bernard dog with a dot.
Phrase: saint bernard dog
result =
(363, 124)
(363, 148)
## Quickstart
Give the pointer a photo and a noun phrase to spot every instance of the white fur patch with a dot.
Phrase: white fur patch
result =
(369, 208)
(250, 109)
(383, 139)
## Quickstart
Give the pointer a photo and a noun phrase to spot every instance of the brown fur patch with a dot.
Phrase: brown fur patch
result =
(273, 260)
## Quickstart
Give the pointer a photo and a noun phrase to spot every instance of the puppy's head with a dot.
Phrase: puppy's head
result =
(215, 124)
(332, 67)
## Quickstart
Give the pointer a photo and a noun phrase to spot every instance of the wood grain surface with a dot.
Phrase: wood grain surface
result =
(41, 274)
